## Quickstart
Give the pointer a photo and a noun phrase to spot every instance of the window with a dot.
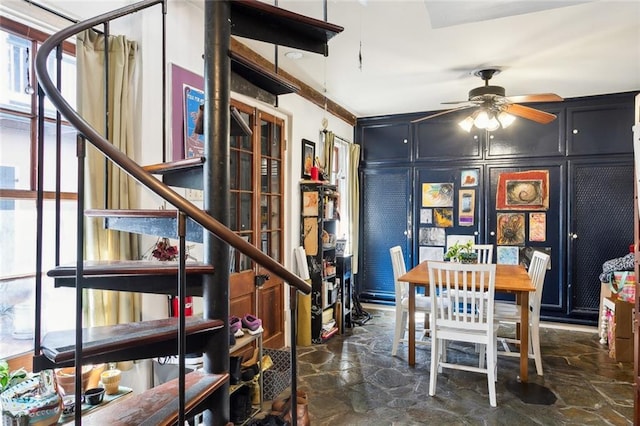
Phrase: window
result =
(18, 171)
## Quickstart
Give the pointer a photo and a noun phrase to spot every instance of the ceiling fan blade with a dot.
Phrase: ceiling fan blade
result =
(539, 97)
(454, 102)
(442, 113)
(530, 113)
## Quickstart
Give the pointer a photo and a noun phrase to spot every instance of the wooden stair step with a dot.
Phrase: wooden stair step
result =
(182, 173)
(260, 77)
(159, 406)
(121, 342)
(261, 21)
(160, 223)
(143, 276)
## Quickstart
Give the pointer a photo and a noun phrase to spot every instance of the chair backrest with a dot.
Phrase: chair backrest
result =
(464, 294)
(537, 272)
(399, 269)
(484, 252)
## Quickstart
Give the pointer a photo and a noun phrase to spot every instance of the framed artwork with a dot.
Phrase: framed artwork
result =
(507, 255)
(537, 226)
(193, 104)
(310, 203)
(426, 216)
(431, 236)
(469, 178)
(526, 253)
(431, 253)
(443, 217)
(308, 154)
(510, 229)
(182, 124)
(437, 195)
(466, 207)
(523, 190)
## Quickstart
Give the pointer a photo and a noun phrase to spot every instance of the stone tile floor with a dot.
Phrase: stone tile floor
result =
(354, 380)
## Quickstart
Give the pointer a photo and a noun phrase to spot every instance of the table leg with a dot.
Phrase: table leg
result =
(524, 336)
(412, 324)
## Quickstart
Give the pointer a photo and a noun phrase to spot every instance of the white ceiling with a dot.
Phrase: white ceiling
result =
(419, 53)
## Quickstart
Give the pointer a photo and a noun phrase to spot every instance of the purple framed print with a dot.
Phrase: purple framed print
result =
(187, 92)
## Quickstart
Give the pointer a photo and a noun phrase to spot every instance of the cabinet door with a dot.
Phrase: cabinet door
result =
(601, 228)
(515, 228)
(602, 126)
(526, 138)
(386, 222)
(441, 138)
(383, 141)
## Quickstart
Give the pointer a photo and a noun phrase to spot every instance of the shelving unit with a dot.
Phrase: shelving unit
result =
(318, 228)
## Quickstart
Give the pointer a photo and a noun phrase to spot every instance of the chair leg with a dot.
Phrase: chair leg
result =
(401, 324)
(535, 345)
(491, 372)
(435, 365)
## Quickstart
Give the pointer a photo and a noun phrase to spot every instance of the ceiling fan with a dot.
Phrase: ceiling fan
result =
(494, 108)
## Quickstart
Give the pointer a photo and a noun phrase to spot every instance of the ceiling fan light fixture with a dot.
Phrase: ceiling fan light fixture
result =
(492, 124)
(466, 124)
(481, 119)
(506, 119)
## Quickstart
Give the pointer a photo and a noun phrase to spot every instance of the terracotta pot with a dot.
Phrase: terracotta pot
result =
(66, 378)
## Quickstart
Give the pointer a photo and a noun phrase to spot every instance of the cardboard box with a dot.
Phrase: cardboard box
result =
(623, 350)
(624, 319)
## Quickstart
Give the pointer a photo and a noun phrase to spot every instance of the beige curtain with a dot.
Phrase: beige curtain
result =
(354, 203)
(108, 307)
(329, 143)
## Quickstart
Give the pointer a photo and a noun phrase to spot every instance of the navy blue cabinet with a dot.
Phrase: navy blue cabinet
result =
(587, 152)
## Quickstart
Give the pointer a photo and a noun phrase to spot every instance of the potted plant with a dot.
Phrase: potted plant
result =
(461, 252)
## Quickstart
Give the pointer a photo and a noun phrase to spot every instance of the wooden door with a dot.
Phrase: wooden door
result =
(256, 214)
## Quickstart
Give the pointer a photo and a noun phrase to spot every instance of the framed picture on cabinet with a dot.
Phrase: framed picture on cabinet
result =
(308, 155)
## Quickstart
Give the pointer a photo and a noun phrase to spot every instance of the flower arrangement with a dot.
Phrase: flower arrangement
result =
(164, 251)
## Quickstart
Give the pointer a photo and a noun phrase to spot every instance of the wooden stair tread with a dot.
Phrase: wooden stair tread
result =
(261, 77)
(160, 223)
(59, 346)
(158, 405)
(261, 21)
(129, 267)
(173, 166)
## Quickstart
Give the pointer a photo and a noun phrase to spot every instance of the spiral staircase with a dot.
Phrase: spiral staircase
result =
(205, 391)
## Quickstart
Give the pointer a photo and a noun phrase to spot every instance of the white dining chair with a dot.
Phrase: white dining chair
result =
(468, 291)
(423, 303)
(484, 252)
(508, 312)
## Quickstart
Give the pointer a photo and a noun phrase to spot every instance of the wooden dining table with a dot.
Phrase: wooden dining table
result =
(509, 279)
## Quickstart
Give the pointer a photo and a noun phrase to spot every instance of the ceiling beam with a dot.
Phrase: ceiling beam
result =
(305, 91)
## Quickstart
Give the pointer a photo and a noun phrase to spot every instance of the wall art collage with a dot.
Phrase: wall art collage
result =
(522, 200)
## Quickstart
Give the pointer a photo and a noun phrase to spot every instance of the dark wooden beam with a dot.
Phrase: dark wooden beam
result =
(305, 91)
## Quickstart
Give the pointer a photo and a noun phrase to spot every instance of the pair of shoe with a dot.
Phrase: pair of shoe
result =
(235, 326)
(252, 324)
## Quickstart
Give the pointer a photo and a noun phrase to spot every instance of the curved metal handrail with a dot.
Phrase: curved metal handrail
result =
(133, 168)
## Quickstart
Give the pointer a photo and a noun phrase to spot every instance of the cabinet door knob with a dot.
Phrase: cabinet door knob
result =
(573, 236)
(492, 233)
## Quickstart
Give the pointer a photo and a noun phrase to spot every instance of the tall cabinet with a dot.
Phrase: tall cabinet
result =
(318, 227)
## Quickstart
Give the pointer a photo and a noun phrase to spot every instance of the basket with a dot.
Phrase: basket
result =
(277, 378)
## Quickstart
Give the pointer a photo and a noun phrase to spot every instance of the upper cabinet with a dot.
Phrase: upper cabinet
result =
(600, 126)
(526, 138)
(442, 138)
(383, 141)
